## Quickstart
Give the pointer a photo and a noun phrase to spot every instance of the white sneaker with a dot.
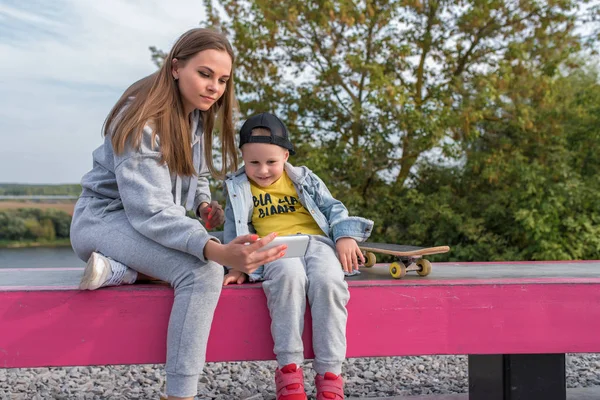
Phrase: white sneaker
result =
(97, 271)
(102, 271)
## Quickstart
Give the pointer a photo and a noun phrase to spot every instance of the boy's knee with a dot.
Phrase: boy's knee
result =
(292, 276)
(290, 280)
(329, 283)
(328, 276)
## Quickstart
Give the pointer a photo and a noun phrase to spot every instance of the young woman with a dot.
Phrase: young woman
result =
(153, 164)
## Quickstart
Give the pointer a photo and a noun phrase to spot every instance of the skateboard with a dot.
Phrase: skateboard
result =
(410, 257)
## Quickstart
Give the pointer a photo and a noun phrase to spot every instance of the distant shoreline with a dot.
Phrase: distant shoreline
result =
(6, 244)
(65, 205)
(38, 197)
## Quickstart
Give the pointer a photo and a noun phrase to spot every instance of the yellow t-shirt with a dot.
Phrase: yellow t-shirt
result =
(277, 209)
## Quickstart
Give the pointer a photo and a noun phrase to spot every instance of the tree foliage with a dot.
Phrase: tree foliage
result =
(16, 189)
(34, 224)
(524, 192)
(378, 84)
(460, 122)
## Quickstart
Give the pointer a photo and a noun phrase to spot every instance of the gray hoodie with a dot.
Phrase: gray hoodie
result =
(150, 194)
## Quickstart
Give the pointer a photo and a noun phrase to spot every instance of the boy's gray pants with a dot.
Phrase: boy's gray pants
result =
(288, 281)
(197, 285)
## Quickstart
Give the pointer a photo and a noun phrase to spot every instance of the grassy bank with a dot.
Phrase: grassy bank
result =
(67, 205)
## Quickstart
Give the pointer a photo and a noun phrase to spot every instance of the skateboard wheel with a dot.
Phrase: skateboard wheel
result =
(425, 267)
(370, 259)
(397, 270)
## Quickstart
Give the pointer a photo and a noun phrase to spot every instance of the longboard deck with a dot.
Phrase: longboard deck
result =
(402, 250)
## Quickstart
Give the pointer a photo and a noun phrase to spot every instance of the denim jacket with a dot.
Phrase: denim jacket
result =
(330, 214)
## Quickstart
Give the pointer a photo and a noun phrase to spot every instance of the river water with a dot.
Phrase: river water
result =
(40, 257)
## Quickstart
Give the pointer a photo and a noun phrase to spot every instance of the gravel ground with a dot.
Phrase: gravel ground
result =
(365, 377)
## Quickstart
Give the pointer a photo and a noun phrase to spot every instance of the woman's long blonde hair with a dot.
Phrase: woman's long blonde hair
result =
(156, 99)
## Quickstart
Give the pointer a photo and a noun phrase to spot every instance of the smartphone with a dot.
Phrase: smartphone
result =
(296, 245)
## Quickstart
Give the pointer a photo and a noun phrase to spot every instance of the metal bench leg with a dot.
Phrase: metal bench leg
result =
(517, 377)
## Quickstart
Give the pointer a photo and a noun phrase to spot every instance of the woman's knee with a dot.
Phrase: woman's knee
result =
(214, 272)
(208, 275)
(80, 245)
(79, 250)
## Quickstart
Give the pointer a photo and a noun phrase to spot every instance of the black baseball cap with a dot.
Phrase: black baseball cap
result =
(279, 133)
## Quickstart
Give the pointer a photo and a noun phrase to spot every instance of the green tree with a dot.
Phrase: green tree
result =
(47, 231)
(468, 123)
(61, 222)
(34, 224)
(375, 85)
(34, 229)
(525, 191)
(13, 227)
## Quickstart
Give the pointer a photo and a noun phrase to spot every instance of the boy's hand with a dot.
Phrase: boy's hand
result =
(234, 276)
(349, 254)
(212, 214)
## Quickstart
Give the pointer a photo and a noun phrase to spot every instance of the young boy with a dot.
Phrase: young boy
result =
(270, 195)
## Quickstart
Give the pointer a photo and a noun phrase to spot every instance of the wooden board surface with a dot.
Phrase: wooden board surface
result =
(402, 250)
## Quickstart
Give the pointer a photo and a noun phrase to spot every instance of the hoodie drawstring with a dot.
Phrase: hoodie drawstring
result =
(189, 203)
(178, 190)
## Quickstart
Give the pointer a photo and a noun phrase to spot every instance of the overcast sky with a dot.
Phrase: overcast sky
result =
(63, 65)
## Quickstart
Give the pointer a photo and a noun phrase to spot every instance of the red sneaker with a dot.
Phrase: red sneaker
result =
(289, 383)
(329, 387)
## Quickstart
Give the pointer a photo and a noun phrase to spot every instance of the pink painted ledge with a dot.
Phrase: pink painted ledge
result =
(467, 315)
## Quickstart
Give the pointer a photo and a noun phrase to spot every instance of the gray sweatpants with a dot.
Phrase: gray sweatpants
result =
(319, 276)
(197, 285)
